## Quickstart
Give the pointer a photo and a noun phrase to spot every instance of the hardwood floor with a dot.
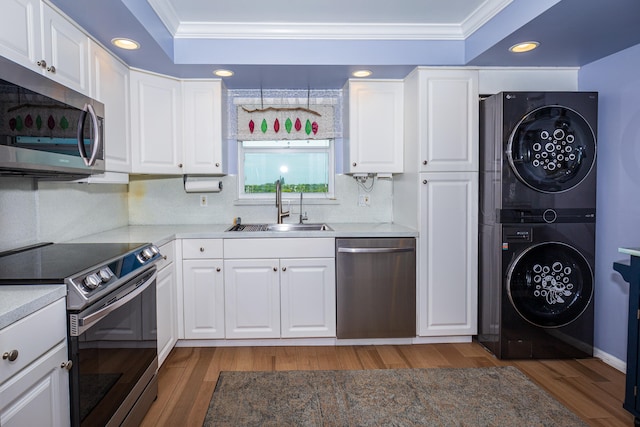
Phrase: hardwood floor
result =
(589, 387)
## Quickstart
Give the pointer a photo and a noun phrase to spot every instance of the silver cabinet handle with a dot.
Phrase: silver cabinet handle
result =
(374, 250)
(42, 63)
(201, 249)
(51, 69)
(424, 162)
(218, 269)
(10, 355)
(66, 365)
(284, 268)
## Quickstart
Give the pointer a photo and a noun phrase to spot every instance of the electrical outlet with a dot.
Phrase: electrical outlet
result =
(364, 200)
(203, 201)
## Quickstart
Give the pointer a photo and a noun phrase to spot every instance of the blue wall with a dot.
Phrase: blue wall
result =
(617, 80)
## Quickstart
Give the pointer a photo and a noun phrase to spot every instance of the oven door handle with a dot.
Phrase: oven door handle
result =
(88, 320)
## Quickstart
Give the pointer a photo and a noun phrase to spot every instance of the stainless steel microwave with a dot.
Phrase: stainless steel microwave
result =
(46, 129)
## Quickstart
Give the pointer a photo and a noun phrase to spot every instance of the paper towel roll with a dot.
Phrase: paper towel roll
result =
(202, 185)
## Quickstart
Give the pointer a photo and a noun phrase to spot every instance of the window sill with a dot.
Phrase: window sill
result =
(293, 202)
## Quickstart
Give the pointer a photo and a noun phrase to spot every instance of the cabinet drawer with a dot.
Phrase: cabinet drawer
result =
(201, 248)
(318, 247)
(32, 337)
(168, 251)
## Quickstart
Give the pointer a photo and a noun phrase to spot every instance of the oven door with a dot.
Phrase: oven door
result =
(113, 350)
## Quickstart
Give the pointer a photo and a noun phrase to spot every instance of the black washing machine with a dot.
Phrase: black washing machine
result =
(536, 301)
(538, 151)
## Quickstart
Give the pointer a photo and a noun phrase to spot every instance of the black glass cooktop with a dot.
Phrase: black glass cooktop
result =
(55, 262)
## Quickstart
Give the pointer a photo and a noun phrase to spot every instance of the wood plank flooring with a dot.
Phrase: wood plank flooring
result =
(589, 387)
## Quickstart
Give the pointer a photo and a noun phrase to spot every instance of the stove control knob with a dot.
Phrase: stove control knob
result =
(105, 275)
(92, 281)
(146, 254)
(154, 250)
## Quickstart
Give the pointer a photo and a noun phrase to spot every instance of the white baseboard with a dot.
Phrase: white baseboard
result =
(610, 360)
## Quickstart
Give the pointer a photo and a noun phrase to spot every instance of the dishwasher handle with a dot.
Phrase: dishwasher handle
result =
(374, 250)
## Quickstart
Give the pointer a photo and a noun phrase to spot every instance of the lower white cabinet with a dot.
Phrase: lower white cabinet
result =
(448, 254)
(279, 288)
(166, 303)
(308, 297)
(252, 298)
(203, 288)
(34, 388)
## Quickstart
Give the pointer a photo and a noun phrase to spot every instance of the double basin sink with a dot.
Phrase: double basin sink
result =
(280, 227)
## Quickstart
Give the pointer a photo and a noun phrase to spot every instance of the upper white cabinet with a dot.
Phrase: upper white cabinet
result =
(110, 85)
(441, 120)
(156, 124)
(373, 127)
(39, 38)
(204, 106)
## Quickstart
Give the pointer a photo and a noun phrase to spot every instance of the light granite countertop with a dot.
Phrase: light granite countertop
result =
(630, 251)
(19, 301)
(161, 234)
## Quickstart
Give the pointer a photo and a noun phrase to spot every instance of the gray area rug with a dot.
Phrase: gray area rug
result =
(497, 396)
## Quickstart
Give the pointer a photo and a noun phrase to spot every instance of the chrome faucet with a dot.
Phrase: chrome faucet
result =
(281, 213)
(302, 217)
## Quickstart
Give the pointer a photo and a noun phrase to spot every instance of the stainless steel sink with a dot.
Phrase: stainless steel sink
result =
(299, 227)
(281, 227)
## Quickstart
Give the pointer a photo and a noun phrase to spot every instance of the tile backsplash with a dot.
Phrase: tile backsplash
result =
(162, 200)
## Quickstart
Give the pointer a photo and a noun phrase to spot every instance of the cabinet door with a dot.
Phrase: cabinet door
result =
(20, 32)
(166, 311)
(66, 51)
(204, 149)
(110, 85)
(449, 120)
(156, 124)
(252, 298)
(203, 291)
(375, 127)
(39, 394)
(308, 297)
(448, 272)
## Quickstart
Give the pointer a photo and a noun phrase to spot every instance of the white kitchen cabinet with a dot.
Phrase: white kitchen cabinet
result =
(203, 289)
(34, 388)
(252, 298)
(448, 248)
(308, 297)
(166, 302)
(156, 124)
(205, 148)
(110, 85)
(36, 36)
(441, 120)
(373, 126)
(282, 287)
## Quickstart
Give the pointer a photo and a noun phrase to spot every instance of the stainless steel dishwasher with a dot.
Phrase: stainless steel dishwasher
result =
(376, 287)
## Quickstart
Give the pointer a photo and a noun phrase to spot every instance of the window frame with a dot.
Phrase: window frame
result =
(329, 149)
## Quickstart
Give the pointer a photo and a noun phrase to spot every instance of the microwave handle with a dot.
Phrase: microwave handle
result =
(96, 143)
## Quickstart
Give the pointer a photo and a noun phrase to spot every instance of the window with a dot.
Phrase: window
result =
(304, 166)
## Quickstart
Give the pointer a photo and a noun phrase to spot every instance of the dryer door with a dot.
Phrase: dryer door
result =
(550, 284)
(552, 149)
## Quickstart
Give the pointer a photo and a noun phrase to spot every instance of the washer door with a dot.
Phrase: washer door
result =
(550, 284)
(552, 149)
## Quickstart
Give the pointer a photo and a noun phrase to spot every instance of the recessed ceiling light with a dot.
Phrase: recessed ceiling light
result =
(524, 47)
(123, 43)
(223, 73)
(362, 73)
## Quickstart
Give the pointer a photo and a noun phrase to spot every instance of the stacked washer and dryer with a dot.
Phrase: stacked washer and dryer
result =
(537, 224)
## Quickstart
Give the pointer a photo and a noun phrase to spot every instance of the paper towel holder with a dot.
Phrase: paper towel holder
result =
(201, 184)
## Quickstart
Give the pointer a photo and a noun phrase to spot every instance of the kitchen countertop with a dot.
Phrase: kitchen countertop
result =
(20, 301)
(630, 251)
(161, 234)
(17, 302)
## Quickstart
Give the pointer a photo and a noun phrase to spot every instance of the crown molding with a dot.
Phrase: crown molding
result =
(327, 30)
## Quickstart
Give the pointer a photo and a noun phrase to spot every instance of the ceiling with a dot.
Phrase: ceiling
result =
(289, 44)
